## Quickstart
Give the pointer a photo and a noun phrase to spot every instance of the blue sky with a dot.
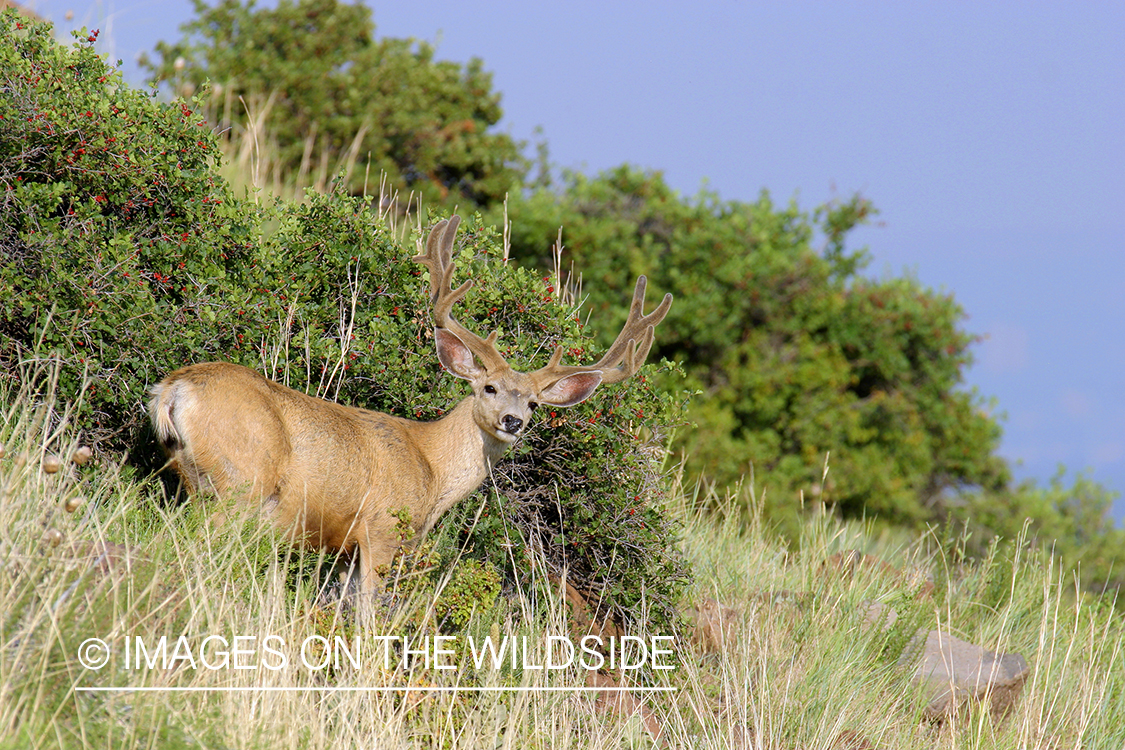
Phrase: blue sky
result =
(990, 135)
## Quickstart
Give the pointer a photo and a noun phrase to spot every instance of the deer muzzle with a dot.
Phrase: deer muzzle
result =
(511, 424)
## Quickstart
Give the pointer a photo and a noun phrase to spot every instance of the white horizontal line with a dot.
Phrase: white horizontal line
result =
(386, 689)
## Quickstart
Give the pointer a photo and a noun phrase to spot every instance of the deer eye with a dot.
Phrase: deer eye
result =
(490, 389)
(533, 405)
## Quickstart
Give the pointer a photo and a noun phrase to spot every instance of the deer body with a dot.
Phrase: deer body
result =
(338, 477)
(331, 474)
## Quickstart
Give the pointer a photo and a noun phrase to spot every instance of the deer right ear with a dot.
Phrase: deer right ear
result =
(455, 356)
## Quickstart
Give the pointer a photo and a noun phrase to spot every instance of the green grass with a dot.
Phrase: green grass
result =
(800, 670)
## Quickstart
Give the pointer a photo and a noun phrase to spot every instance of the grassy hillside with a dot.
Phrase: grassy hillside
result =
(91, 551)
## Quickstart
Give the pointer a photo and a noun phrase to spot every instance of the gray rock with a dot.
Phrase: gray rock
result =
(952, 672)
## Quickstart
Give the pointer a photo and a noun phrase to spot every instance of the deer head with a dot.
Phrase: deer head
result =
(504, 398)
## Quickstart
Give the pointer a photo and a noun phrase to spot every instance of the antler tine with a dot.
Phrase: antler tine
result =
(638, 329)
(628, 351)
(438, 258)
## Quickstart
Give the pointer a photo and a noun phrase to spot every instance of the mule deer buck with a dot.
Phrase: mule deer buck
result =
(338, 477)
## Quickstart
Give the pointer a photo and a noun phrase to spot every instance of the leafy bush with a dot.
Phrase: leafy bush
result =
(332, 95)
(797, 354)
(120, 251)
(125, 257)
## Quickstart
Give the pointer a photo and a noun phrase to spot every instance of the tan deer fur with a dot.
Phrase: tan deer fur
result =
(338, 477)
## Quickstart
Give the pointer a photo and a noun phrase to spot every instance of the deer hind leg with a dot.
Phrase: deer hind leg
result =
(240, 496)
(241, 456)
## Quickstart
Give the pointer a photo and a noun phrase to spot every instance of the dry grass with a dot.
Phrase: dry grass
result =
(250, 161)
(799, 669)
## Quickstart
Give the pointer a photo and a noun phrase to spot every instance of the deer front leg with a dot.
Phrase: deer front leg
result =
(378, 544)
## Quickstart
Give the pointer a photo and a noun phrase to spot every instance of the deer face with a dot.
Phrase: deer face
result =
(504, 399)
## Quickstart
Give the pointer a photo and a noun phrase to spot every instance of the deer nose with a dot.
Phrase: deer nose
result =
(511, 424)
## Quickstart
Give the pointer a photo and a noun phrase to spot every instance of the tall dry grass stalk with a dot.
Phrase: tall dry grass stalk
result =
(250, 160)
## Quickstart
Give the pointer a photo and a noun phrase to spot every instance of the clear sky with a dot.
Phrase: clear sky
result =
(990, 135)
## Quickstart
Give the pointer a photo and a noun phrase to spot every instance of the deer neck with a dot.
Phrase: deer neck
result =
(460, 454)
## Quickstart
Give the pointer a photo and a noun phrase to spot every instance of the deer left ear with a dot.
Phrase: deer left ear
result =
(572, 389)
(455, 356)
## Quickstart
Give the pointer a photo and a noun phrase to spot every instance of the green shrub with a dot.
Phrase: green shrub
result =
(121, 253)
(124, 256)
(799, 356)
(331, 94)
(1071, 520)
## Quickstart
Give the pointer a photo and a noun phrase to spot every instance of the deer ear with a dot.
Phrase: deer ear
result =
(572, 389)
(455, 356)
